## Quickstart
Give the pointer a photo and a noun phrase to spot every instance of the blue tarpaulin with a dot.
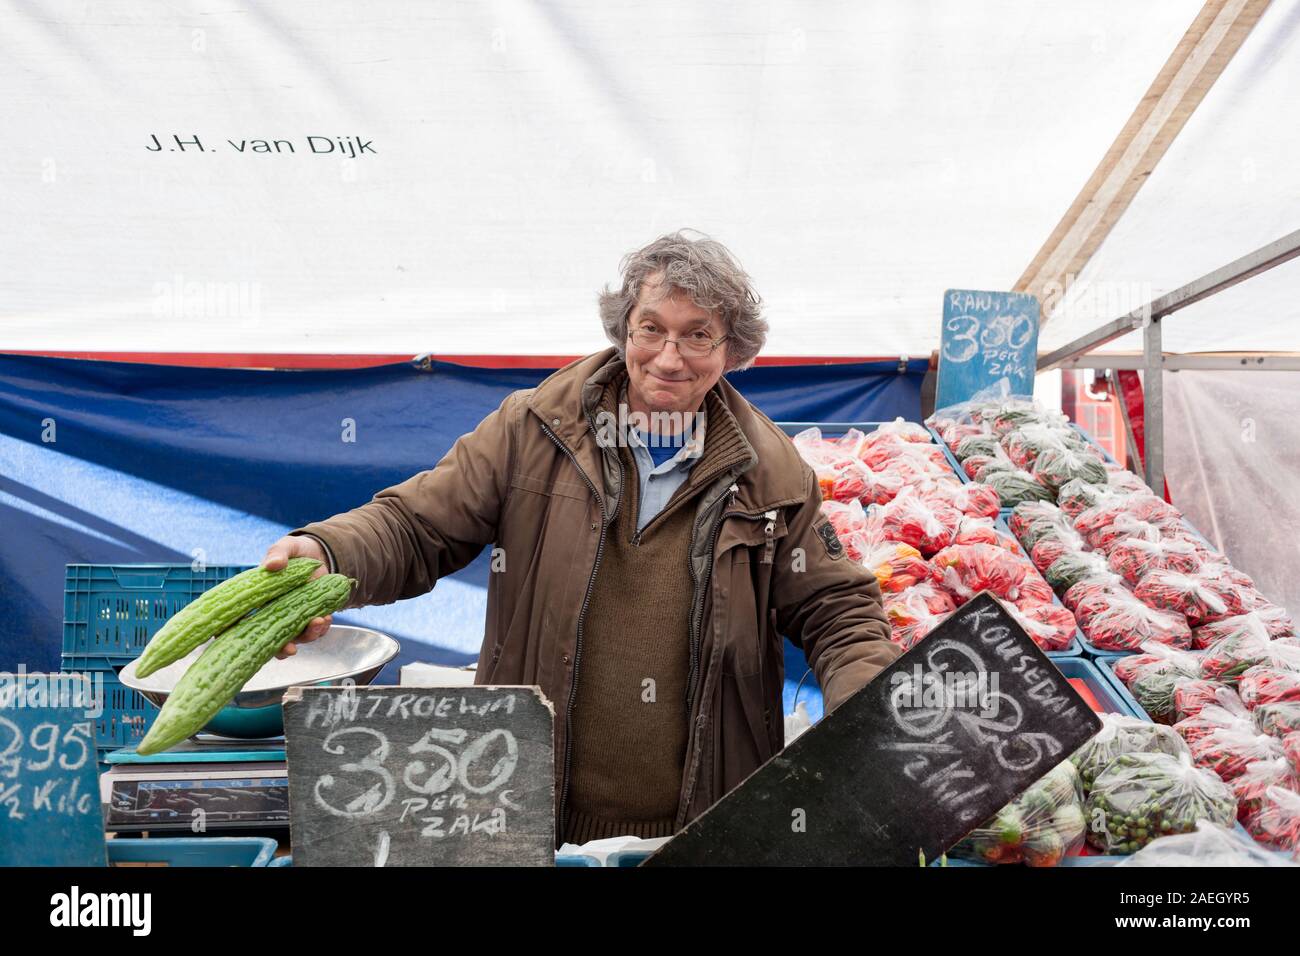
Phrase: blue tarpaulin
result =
(106, 463)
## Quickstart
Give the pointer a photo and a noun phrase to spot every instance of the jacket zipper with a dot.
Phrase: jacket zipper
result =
(664, 511)
(698, 614)
(696, 637)
(768, 529)
(582, 612)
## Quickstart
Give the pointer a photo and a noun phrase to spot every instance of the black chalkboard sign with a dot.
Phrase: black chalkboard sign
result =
(50, 814)
(414, 776)
(901, 771)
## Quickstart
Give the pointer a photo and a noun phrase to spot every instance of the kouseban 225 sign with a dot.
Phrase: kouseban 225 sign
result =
(987, 338)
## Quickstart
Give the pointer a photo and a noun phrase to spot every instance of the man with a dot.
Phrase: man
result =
(659, 536)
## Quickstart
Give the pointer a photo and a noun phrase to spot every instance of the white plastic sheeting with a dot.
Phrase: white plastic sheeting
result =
(858, 158)
(1232, 454)
(1229, 184)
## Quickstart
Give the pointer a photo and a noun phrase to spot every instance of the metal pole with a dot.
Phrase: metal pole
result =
(1153, 407)
(1178, 361)
(1252, 264)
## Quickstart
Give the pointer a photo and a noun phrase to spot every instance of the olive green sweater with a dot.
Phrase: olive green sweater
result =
(630, 718)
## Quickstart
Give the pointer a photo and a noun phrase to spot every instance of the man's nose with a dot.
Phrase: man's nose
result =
(670, 358)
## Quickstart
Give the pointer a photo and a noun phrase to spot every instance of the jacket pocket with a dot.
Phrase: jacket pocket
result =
(551, 486)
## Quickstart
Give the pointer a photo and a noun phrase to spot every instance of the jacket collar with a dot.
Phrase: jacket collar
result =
(771, 474)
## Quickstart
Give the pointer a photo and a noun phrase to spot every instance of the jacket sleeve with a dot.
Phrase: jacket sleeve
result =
(829, 604)
(408, 536)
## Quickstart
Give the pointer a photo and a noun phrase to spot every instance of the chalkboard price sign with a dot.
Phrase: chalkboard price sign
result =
(943, 738)
(50, 814)
(407, 776)
(987, 337)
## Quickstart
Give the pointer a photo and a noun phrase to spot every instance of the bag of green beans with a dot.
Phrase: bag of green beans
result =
(1120, 734)
(1142, 796)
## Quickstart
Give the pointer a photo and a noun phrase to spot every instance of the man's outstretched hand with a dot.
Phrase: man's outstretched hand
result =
(277, 556)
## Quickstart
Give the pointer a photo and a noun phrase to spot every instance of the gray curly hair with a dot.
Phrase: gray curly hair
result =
(704, 270)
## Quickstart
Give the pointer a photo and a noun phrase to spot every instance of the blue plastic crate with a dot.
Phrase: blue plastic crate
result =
(1106, 667)
(627, 857)
(1113, 700)
(112, 610)
(1093, 652)
(191, 851)
(953, 463)
(126, 717)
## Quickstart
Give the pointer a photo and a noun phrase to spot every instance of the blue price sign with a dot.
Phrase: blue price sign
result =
(50, 814)
(987, 337)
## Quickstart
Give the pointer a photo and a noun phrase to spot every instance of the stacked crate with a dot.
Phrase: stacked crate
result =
(110, 611)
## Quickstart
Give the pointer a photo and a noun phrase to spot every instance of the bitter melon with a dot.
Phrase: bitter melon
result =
(217, 609)
(235, 656)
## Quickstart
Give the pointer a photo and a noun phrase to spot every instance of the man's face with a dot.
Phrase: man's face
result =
(667, 381)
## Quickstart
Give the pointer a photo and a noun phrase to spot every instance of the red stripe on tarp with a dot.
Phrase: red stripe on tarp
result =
(298, 360)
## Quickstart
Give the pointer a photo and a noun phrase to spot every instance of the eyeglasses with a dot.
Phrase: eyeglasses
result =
(697, 344)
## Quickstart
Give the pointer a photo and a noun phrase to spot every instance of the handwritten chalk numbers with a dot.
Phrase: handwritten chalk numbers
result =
(963, 345)
(393, 777)
(70, 749)
(1001, 339)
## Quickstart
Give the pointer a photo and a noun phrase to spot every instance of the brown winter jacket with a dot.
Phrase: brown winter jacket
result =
(532, 480)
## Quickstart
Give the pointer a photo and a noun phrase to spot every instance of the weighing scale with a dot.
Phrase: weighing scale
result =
(227, 784)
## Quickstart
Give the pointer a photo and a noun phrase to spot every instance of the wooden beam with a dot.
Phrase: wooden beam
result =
(1200, 57)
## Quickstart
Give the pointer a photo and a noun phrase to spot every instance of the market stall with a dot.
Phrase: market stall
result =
(1026, 641)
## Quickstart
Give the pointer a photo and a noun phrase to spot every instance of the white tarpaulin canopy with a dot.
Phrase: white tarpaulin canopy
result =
(1229, 184)
(858, 158)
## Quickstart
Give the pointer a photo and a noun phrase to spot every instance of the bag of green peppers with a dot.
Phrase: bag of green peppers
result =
(1057, 466)
(1123, 735)
(1039, 827)
(978, 445)
(1152, 685)
(1279, 718)
(1014, 486)
(1142, 796)
(1069, 569)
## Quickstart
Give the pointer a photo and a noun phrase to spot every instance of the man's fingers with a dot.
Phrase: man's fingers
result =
(317, 628)
(276, 559)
